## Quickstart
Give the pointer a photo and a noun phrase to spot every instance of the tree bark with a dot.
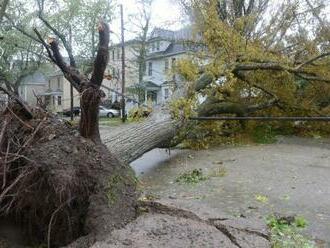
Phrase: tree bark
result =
(132, 142)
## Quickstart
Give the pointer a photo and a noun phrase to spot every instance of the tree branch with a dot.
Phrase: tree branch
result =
(70, 73)
(316, 15)
(313, 59)
(209, 107)
(25, 107)
(46, 46)
(18, 28)
(60, 35)
(242, 76)
(102, 56)
(277, 67)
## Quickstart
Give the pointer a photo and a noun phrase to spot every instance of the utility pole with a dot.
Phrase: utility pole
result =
(71, 87)
(123, 112)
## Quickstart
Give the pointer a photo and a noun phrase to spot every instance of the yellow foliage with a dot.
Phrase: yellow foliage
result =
(187, 69)
(227, 47)
(182, 108)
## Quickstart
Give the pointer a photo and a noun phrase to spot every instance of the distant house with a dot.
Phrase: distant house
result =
(51, 87)
(31, 85)
(115, 67)
(165, 48)
(57, 96)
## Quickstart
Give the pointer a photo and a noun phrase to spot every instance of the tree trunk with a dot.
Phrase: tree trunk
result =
(132, 142)
(89, 120)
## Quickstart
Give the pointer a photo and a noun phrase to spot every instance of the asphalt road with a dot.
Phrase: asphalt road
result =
(290, 177)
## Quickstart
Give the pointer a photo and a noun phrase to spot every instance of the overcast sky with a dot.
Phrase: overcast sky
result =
(165, 14)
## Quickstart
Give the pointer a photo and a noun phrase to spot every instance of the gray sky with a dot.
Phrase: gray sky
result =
(165, 14)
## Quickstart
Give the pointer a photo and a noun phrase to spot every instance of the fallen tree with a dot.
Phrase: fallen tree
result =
(58, 183)
(61, 184)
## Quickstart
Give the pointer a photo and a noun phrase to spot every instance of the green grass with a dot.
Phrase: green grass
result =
(110, 121)
(191, 177)
(264, 134)
(286, 232)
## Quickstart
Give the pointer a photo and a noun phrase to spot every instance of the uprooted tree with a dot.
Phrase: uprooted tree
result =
(60, 183)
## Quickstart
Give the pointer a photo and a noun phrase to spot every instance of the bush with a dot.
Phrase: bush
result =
(191, 177)
(139, 113)
(263, 134)
(286, 232)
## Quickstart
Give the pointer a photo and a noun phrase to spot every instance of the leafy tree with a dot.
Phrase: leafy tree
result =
(73, 22)
(270, 60)
(3, 5)
(20, 55)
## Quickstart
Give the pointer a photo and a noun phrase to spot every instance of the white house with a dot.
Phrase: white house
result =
(114, 68)
(165, 48)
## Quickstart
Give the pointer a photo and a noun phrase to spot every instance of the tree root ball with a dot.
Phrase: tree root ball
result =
(59, 186)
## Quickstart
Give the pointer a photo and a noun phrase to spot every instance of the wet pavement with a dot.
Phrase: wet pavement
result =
(290, 177)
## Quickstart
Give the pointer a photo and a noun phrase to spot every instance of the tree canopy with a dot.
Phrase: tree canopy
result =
(262, 58)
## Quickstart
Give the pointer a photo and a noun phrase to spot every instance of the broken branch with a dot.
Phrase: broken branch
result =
(101, 60)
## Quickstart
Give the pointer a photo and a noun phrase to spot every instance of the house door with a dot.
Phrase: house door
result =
(152, 96)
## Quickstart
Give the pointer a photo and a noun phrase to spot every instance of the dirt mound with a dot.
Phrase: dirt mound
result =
(57, 185)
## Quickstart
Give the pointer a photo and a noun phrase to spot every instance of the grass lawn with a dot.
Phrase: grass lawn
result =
(111, 121)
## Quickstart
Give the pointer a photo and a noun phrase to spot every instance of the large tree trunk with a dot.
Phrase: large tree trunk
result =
(89, 118)
(135, 140)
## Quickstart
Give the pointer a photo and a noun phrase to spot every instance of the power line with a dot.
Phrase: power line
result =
(262, 118)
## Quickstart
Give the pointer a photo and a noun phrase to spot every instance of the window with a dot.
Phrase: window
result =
(153, 46)
(150, 69)
(47, 100)
(58, 83)
(166, 65)
(173, 68)
(144, 69)
(158, 45)
(118, 54)
(59, 100)
(173, 63)
(113, 54)
(166, 93)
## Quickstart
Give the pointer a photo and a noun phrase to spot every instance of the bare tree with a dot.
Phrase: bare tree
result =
(141, 21)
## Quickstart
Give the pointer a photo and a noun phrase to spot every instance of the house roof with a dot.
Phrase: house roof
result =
(127, 43)
(181, 34)
(55, 73)
(174, 48)
(181, 41)
(36, 78)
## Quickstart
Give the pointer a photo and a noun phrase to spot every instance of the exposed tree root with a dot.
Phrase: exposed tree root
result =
(57, 185)
(156, 207)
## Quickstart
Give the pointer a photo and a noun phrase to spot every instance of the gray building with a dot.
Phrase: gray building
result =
(165, 48)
